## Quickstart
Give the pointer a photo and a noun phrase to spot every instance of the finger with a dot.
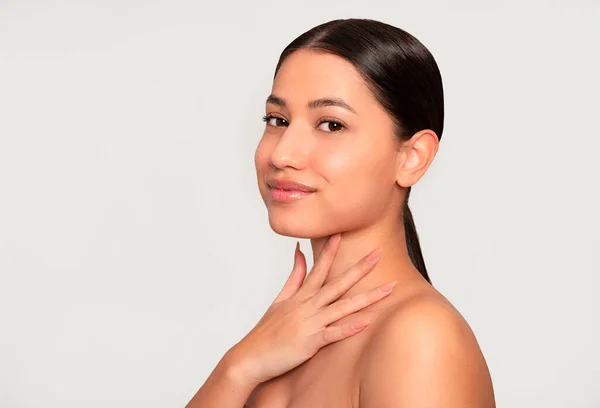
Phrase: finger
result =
(332, 334)
(344, 307)
(296, 278)
(340, 285)
(322, 265)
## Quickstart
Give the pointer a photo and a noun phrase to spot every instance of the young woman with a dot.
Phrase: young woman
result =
(353, 121)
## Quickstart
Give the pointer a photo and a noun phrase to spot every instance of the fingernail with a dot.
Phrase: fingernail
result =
(335, 238)
(374, 256)
(360, 325)
(387, 288)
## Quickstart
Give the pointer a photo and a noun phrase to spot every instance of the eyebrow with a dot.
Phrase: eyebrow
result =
(317, 103)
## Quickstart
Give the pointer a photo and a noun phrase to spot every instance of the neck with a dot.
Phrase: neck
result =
(394, 264)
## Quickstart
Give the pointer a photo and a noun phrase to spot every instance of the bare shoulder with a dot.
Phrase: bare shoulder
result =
(423, 353)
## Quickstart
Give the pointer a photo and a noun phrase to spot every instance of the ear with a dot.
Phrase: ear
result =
(414, 157)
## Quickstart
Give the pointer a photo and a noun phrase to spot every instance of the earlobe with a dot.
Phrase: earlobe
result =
(415, 156)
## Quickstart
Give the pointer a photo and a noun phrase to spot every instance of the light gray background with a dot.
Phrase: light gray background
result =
(135, 248)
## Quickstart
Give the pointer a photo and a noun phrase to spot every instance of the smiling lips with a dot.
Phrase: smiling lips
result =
(283, 190)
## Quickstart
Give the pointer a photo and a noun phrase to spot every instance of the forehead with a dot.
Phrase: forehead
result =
(307, 75)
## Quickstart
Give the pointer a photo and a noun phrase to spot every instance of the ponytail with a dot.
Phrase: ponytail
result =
(412, 239)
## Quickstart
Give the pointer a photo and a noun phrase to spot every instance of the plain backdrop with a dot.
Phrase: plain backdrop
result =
(135, 248)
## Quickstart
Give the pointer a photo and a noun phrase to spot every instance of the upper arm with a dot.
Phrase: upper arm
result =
(424, 355)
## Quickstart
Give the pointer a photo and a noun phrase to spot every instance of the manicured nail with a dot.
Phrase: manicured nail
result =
(387, 288)
(374, 256)
(360, 325)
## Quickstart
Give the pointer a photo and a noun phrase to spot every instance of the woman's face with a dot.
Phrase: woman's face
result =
(346, 154)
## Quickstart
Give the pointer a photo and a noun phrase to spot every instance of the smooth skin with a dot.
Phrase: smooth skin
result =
(300, 321)
(417, 350)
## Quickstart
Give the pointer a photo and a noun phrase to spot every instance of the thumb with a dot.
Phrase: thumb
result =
(296, 278)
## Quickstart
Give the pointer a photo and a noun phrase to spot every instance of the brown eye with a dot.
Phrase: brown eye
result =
(331, 126)
(275, 121)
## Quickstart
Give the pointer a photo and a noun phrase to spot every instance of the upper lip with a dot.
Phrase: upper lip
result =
(286, 184)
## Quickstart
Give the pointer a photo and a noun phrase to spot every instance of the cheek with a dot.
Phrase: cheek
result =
(261, 156)
(261, 164)
(359, 184)
(362, 168)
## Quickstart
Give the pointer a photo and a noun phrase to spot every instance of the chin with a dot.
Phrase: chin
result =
(295, 227)
(289, 228)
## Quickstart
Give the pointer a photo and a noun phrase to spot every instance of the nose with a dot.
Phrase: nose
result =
(290, 151)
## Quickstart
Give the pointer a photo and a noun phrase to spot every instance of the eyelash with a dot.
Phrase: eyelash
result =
(342, 127)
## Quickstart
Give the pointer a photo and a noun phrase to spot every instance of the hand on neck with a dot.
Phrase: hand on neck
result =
(394, 264)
